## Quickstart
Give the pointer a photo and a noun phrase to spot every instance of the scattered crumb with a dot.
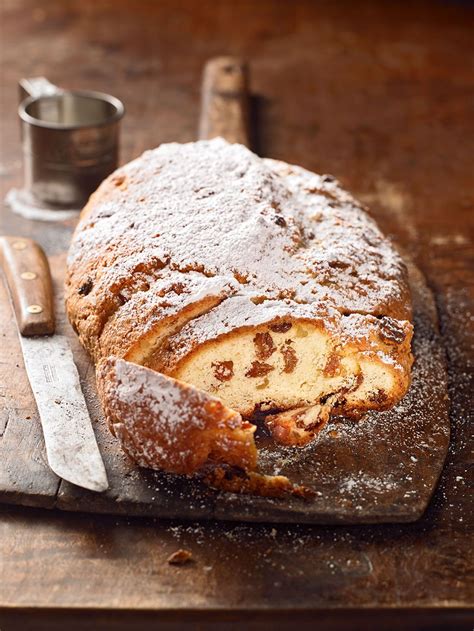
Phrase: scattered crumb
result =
(180, 557)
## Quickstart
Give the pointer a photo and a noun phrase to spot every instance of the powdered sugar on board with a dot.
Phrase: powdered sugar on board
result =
(23, 203)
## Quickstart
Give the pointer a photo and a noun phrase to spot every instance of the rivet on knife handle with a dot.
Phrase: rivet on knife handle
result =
(27, 272)
(225, 100)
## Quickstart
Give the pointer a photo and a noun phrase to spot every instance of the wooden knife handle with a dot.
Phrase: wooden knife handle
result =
(28, 277)
(225, 100)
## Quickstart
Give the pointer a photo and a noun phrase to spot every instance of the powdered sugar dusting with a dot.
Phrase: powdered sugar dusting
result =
(167, 424)
(260, 228)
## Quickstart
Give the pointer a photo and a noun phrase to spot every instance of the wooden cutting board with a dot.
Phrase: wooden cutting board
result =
(381, 469)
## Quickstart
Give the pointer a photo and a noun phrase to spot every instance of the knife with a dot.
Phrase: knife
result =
(71, 446)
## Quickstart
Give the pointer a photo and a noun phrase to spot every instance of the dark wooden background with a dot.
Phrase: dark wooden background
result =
(380, 94)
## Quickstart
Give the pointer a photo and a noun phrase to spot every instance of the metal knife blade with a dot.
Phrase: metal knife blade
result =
(71, 446)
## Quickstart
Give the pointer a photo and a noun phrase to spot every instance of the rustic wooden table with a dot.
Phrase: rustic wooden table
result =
(379, 94)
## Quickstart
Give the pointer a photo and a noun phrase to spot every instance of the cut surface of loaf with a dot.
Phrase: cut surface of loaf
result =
(257, 359)
(257, 282)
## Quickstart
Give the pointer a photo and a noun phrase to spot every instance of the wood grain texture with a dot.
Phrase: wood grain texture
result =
(378, 94)
(218, 620)
(28, 277)
(225, 100)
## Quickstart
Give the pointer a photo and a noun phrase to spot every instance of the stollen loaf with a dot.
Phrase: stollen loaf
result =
(253, 288)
